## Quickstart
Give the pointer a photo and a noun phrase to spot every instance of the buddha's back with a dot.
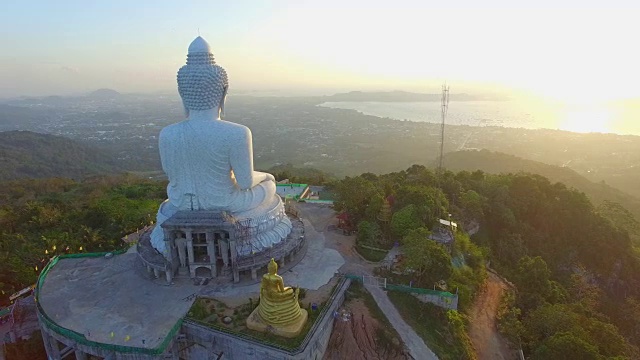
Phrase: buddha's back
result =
(195, 155)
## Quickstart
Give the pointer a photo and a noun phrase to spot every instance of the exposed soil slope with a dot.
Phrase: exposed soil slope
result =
(488, 342)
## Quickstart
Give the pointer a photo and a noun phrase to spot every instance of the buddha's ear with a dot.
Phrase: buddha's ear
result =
(222, 101)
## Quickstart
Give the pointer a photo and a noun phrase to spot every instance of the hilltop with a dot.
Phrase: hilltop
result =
(25, 154)
(497, 163)
(104, 94)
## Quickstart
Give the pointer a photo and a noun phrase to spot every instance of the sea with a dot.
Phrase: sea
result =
(615, 118)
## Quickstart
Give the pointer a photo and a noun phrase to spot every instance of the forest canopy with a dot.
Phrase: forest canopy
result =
(568, 259)
(46, 217)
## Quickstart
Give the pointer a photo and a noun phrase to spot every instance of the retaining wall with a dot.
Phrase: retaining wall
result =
(202, 342)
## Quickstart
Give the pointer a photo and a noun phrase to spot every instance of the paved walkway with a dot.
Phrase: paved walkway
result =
(320, 217)
(417, 348)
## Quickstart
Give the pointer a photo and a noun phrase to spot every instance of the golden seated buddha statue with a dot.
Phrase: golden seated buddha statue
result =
(279, 310)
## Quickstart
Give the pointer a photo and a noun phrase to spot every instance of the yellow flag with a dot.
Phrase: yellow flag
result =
(112, 334)
(127, 338)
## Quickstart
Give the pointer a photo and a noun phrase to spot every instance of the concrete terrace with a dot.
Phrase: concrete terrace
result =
(98, 296)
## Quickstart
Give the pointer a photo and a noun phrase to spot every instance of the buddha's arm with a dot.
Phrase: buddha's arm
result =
(280, 283)
(165, 153)
(241, 159)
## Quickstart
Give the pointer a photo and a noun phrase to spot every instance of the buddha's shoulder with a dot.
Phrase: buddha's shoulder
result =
(230, 129)
(234, 127)
(170, 130)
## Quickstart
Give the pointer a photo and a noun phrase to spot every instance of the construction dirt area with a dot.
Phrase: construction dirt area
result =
(488, 342)
(361, 337)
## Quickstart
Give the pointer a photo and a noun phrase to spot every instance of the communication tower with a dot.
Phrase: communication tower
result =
(444, 107)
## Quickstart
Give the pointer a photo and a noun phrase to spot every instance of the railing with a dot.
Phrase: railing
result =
(80, 338)
(295, 197)
(403, 288)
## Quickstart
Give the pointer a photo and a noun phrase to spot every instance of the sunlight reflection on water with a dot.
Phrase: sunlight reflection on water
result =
(584, 118)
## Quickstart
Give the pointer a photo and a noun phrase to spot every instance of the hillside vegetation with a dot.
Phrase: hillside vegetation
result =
(25, 154)
(576, 272)
(601, 194)
(40, 218)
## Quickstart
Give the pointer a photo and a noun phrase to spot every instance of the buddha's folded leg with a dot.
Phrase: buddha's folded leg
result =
(254, 197)
(165, 211)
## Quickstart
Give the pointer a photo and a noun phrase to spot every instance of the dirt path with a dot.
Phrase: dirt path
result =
(486, 339)
(356, 338)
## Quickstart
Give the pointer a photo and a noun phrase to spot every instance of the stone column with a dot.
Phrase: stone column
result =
(51, 346)
(190, 246)
(181, 243)
(55, 348)
(81, 355)
(236, 273)
(211, 252)
(175, 350)
(167, 273)
(224, 247)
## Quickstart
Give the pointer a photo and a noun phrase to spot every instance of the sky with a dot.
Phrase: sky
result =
(565, 50)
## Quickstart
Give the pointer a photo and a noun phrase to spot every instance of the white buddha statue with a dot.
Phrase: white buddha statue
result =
(209, 161)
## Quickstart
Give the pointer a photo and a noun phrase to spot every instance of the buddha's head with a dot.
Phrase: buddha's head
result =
(202, 84)
(272, 267)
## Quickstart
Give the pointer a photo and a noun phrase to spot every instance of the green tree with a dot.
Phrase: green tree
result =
(430, 202)
(621, 218)
(353, 195)
(368, 233)
(405, 220)
(532, 280)
(566, 346)
(428, 261)
(373, 209)
(473, 204)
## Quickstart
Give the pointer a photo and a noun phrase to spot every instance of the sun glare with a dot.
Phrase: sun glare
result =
(587, 119)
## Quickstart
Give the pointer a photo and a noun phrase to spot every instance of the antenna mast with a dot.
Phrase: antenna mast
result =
(444, 105)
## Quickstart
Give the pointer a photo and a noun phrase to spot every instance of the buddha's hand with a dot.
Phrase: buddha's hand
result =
(259, 177)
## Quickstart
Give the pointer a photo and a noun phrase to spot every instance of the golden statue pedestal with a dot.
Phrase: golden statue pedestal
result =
(255, 322)
(279, 311)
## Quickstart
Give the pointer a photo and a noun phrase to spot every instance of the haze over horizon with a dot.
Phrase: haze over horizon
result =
(575, 52)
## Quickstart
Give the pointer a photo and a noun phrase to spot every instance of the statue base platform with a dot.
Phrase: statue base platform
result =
(255, 322)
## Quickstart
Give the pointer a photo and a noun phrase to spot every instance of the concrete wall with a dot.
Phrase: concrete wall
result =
(201, 342)
(57, 346)
(196, 341)
(442, 301)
